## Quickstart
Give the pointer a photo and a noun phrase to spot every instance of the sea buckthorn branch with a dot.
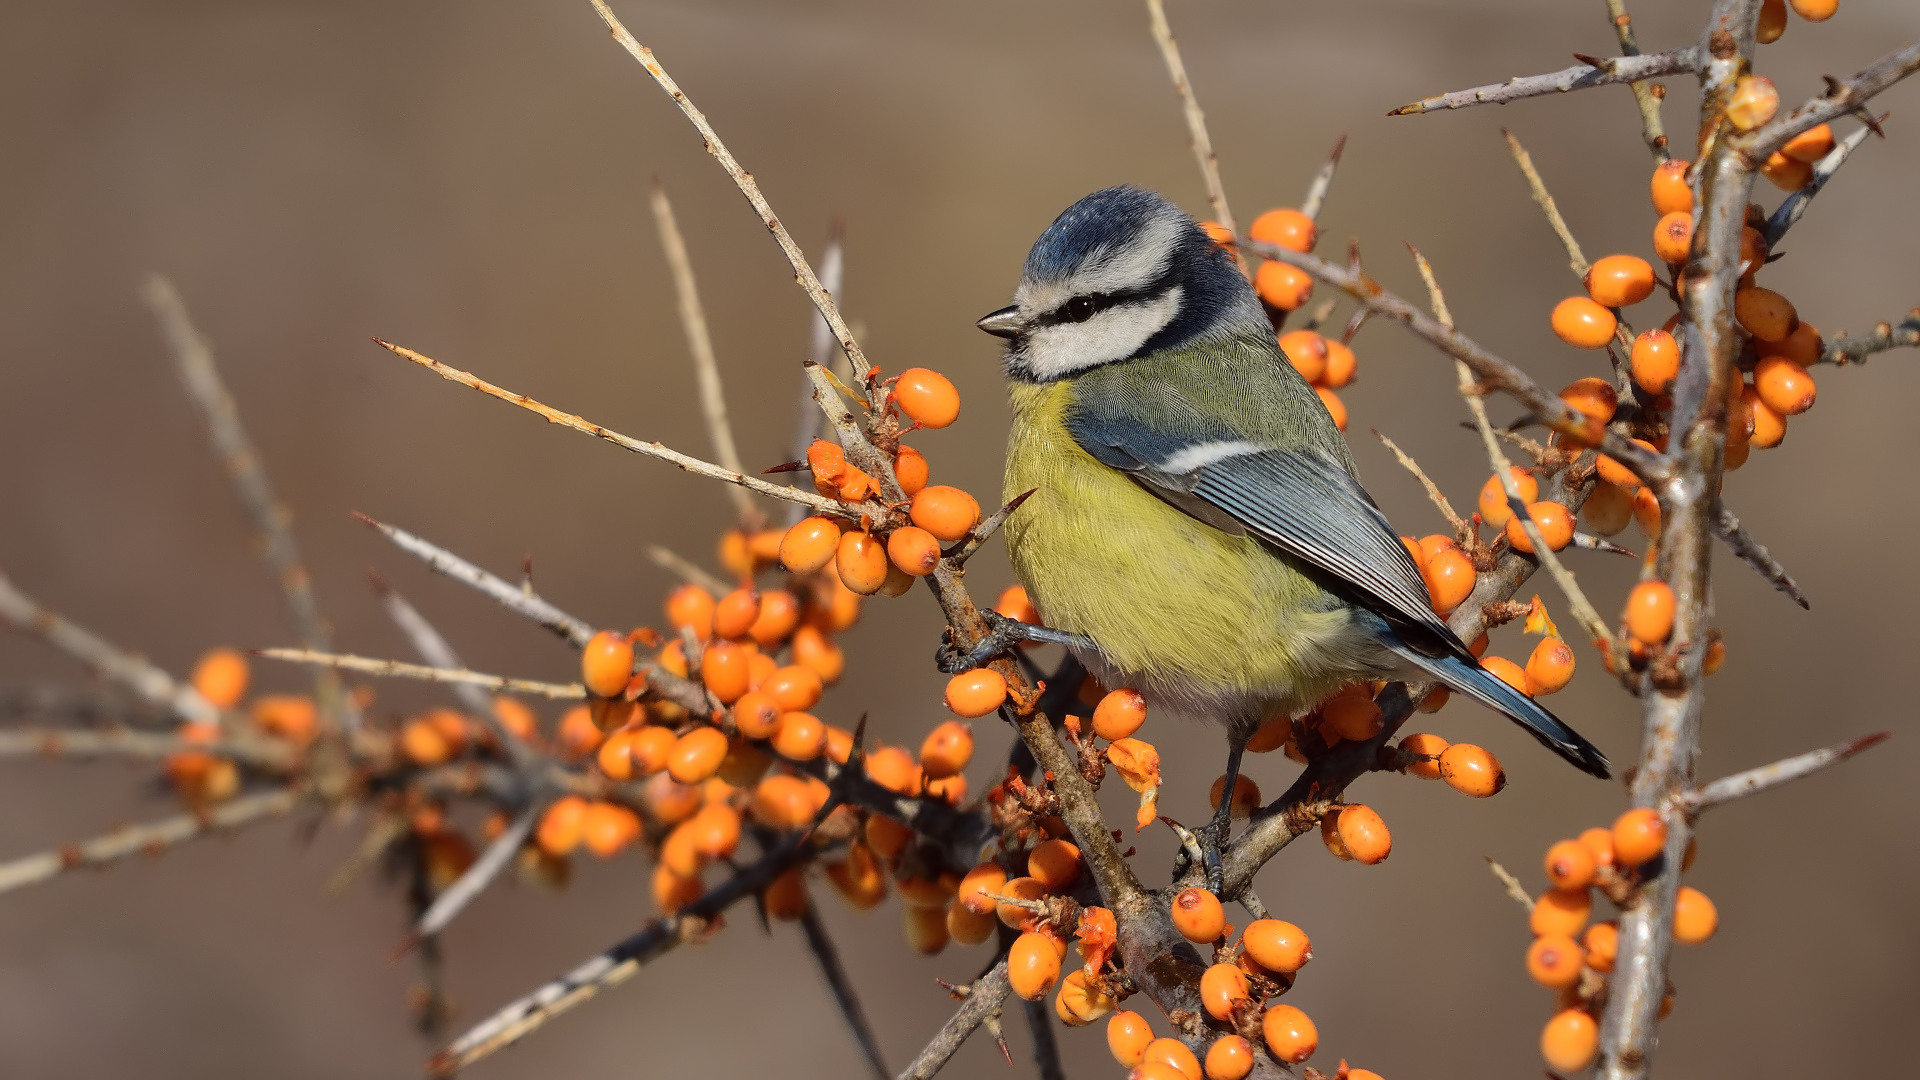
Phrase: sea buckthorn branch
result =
(624, 959)
(103, 658)
(269, 755)
(1794, 206)
(1512, 884)
(400, 669)
(1316, 198)
(983, 999)
(1046, 1049)
(818, 503)
(1840, 99)
(1201, 142)
(821, 351)
(1647, 97)
(827, 955)
(499, 855)
(1619, 69)
(433, 648)
(1454, 520)
(1494, 372)
(857, 445)
(194, 356)
(79, 705)
(1689, 505)
(151, 838)
(1755, 554)
(981, 533)
(803, 273)
(1753, 781)
(706, 369)
(386, 827)
(689, 571)
(1850, 350)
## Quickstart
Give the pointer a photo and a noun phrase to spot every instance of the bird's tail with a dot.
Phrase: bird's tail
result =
(1483, 686)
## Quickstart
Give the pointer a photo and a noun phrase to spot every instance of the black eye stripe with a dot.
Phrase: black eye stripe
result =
(1081, 308)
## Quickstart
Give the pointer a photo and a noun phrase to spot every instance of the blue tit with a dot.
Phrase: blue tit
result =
(1198, 529)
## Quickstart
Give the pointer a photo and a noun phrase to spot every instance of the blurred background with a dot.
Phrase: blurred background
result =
(469, 179)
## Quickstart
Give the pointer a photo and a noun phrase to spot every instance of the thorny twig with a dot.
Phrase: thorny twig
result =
(1511, 883)
(828, 957)
(1647, 97)
(1323, 180)
(1794, 206)
(984, 997)
(1620, 69)
(1840, 99)
(149, 839)
(1851, 350)
(687, 570)
(1196, 123)
(1454, 520)
(1753, 781)
(399, 669)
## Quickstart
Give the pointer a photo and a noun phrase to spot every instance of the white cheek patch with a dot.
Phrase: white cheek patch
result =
(1114, 334)
(1142, 261)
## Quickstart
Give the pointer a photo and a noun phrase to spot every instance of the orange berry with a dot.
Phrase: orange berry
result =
(1287, 228)
(1424, 743)
(927, 397)
(1290, 1035)
(1673, 237)
(1769, 427)
(671, 892)
(1764, 313)
(1619, 280)
(715, 830)
(764, 546)
(1119, 714)
(1671, 194)
(947, 749)
(1173, 1054)
(1549, 668)
(296, 718)
(1602, 943)
(887, 837)
(1598, 842)
(577, 734)
(697, 755)
(910, 468)
(733, 552)
(606, 664)
(1507, 672)
(1646, 512)
(1554, 522)
(1773, 22)
(1341, 365)
(806, 548)
(968, 927)
(1785, 386)
(649, 748)
(1218, 233)
(1558, 912)
(1437, 542)
(1554, 961)
(1810, 145)
(1449, 575)
(1613, 472)
(1306, 350)
(791, 689)
(786, 898)
(1277, 945)
(560, 827)
(1581, 322)
(1493, 496)
(1032, 966)
(1271, 735)
(1198, 916)
(1649, 615)
(1354, 717)
(1079, 1004)
(1694, 916)
(812, 649)
(423, 744)
(1020, 888)
(1570, 1041)
(608, 827)
(985, 878)
(1435, 700)
(1231, 1058)
(976, 693)
(1655, 361)
(616, 755)
(862, 562)
(1222, 986)
(221, 677)
(800, 737)
(1608, 509)
(1055, 864)
(1470, 770)
(946, 512)
(859, 878)
(1014, 604)
(1128, 1034)
(1336, 409)
(1803, 346)
(782, 802)
(779, 617)
(1282, 285)
(726, 669)
(1594, 398)
(913, 550)
(894, 769)
(1570, 865)
(1815, 10)
(1639, 835)
(734, 615)
(1246, 795)
(667, 800)
(1754, 102)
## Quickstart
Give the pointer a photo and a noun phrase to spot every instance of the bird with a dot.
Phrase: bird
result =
(1197, 530)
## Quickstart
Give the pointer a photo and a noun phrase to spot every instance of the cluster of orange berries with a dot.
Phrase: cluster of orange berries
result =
(1573, 958)
(222, 677)
(1773, 16)
(1327, 364)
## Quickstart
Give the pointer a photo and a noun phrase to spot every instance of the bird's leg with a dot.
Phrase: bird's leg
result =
(1003, 634)
(1214, 836)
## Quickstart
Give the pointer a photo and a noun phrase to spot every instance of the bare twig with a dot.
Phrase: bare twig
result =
(194, 356)
(1538, 187)
(79, 705)
(822, 352)
(1433, 491)
(380, 835)
(745, 182)
(1841, 99)
(1645, 96)
(397, 669)
(664, 453)
(498, 856)
(1794, 206)
(984, 998)
(693, 320)
(689, 571)
(78, 744)
(981, 533)
(1046, 1050)
(1849, 350)
(1750, 551)
(104, 658)
(828, 957)
(1323, 180)
(1753, 781)
(521, 601)
(1196, 123)
(1620, 69)
(1512, 884)
(434, 649)
(149, 839)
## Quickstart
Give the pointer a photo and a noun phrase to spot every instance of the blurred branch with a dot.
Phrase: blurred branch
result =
(397, 669)
(1847, 350)
(104, 658)
(984, 998)
(821, 351)
(1750, 551)
(828, 957)
(1454, 520)
(1046, 1050)
(1646, 97)
(1323, 181)
(514, 598)
(270, 754)
(149, 839)
(435, 650)
(1754, 781)
(1196, 124)
(687, 570)
(693, 319)
(1620, 69)
(468, 887)
(1512, 884)
(79, 704)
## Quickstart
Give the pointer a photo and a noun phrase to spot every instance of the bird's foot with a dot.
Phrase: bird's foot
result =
(1002, 634)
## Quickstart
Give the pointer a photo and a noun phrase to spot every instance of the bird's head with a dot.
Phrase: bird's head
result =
(1121, 273)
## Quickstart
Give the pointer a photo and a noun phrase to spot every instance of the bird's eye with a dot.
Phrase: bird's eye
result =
(1078, 309)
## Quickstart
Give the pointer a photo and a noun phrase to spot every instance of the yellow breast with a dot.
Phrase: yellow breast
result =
(1168, 598)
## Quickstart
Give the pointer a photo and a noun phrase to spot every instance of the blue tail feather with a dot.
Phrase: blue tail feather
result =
(1481, 685)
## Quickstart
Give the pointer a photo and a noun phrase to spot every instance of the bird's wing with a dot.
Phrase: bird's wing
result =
(1298, 499)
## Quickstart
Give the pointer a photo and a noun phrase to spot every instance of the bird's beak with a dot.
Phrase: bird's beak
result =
(1003, 323)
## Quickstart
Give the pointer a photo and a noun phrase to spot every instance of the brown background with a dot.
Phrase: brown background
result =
(468, 179)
